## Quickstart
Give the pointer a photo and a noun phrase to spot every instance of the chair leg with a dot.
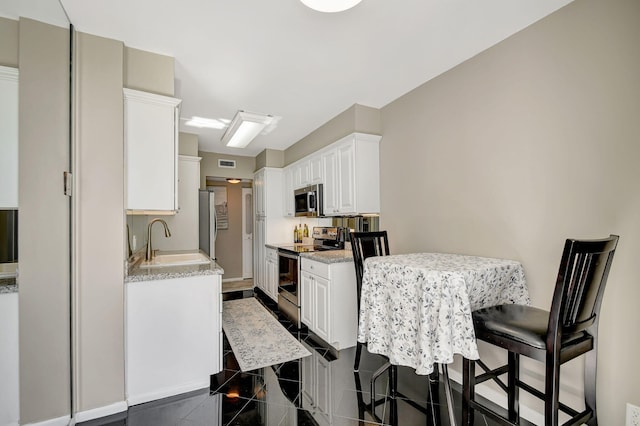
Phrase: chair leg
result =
(356, 364)
(513, 394)
(590, 368)
(552, 390)
(468, 390)
(449, 394)
(393, 393)
(433, 406)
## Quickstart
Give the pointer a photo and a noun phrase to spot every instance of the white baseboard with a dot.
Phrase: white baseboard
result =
(226, 280)
(500, 399)
(96, 413)
(59, 421)
(167, 392)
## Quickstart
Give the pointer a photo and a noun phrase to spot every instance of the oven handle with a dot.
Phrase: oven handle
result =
(288, 255)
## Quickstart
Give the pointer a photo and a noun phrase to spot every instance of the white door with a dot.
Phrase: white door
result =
(247, 233)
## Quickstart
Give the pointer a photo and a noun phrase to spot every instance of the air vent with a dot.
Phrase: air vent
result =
(227, 164)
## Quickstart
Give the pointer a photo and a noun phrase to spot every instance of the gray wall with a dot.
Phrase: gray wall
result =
(530, 142)
(270, 158)
(149, 72)
(9, 45)
(245, 166)
(358, 118)
(99, 224)
(44, 222)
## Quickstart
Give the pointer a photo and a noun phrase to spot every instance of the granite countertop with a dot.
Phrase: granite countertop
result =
(137, 274)
(330, 256)
(327, 256)
(8, 285)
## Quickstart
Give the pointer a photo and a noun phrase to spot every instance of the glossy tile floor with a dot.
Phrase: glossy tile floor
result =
(318, 390)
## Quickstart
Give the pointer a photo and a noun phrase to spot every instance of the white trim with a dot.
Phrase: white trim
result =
(59, 421)
(9, 73)
(500, 399)
(164, 393)
(226, 280)
(182, 157)
(104, 411)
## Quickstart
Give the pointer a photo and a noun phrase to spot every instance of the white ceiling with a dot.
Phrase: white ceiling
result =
(278, 57)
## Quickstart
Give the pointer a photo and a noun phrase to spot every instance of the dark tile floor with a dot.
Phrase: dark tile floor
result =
(321, 389)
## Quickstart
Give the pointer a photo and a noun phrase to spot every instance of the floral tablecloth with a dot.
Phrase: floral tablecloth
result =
(416, 308)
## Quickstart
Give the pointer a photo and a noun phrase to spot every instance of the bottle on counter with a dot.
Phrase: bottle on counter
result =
(295, 234)
(306, 230)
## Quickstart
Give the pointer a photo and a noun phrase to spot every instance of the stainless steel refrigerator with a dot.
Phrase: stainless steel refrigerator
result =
(208, 223)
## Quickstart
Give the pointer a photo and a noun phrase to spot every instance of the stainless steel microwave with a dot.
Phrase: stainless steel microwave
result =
(308, 201)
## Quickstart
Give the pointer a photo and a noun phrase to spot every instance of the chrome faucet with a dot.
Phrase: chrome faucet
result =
(167, 233)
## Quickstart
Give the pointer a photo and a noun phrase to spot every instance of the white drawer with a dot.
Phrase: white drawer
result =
(271, 254)
(316, 268)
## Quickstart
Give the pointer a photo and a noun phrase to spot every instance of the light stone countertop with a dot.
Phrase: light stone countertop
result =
(330, 256)
(137, 274)
(327, 256)
(8, 285)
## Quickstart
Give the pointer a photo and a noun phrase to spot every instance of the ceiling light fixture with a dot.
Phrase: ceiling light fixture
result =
(234, 180)
(330, 6)
(209, 123)
(244, 127)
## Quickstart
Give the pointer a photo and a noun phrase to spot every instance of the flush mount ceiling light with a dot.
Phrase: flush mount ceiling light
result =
(330, 6)
(207, 123)
(234, 180)
(244, 127)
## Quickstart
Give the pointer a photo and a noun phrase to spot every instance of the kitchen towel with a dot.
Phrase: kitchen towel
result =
(256, 337)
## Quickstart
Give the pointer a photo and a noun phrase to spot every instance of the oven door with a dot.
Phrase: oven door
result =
(288, 269)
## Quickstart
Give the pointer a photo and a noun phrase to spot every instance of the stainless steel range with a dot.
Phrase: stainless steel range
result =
(324, 238)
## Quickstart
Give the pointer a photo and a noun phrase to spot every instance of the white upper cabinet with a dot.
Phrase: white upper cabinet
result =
(151, 151)
(316, 173)
(8, 138)
(352, 175)
(301, 174)
(289, 205)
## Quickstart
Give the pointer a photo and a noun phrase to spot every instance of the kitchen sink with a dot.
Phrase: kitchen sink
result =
(176, 259)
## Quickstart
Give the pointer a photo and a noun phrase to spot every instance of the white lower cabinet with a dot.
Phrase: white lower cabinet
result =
(271, 278)
(328, 301)
(173, 336)
(9, 360)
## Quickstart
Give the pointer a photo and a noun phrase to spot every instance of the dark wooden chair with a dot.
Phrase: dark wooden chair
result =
(364, 245)
(568, 330)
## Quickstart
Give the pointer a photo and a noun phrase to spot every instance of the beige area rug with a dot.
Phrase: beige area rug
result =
(256, 337)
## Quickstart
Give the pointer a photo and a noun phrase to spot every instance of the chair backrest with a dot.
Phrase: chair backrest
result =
(364, 245)
(582, 278)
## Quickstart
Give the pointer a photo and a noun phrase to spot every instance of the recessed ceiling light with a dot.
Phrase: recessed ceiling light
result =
(209, 123)
(330, 5)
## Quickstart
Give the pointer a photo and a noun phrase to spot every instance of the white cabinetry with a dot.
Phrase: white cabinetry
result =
(352, 175)
(271, 275)
(328, 301)
(9, 359)
(173, 336)
(307, 171)
(8, 138)
(151, 151)
(287, 196)
(270, 225)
